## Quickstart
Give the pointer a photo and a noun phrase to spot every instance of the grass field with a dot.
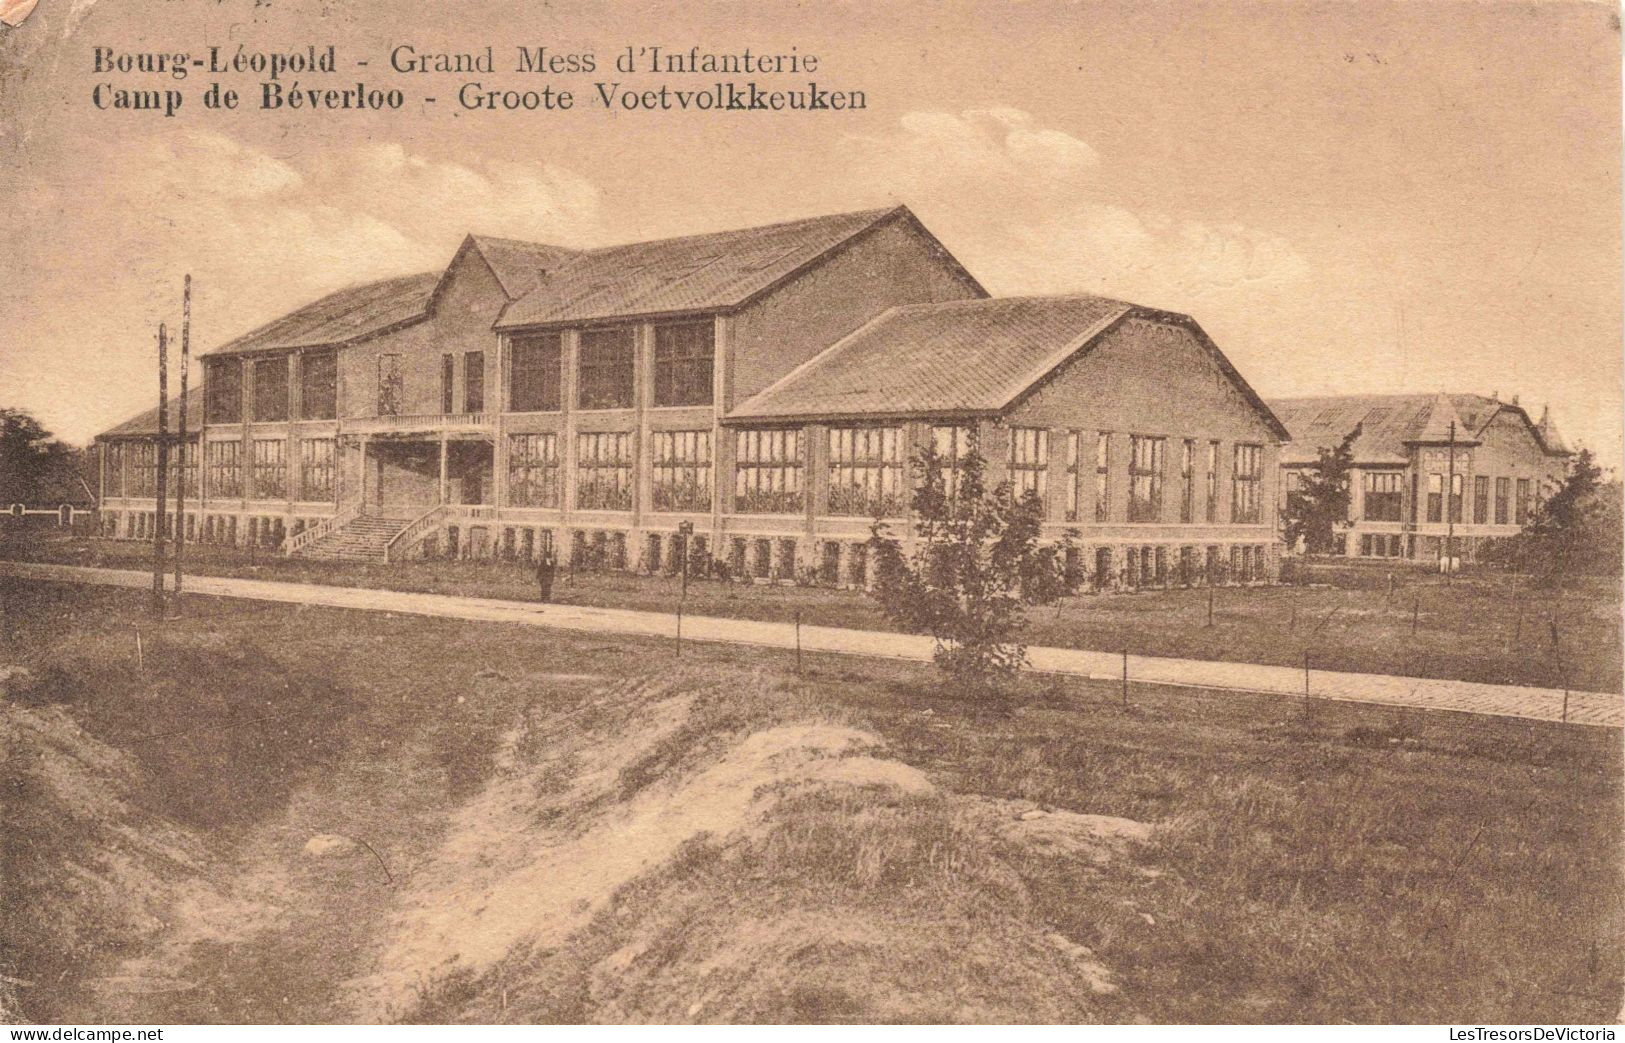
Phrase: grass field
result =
(1353, 864)
(1483, 627)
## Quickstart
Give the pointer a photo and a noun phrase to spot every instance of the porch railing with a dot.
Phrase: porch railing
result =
(431, 520)
(417, 422)
(300, 540)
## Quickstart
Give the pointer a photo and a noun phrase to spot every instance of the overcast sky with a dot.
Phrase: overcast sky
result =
(1349, 197)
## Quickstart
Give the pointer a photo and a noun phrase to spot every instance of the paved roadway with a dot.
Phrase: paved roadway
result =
(1546, 704)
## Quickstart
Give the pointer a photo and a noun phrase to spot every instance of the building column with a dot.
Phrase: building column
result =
(443, 452)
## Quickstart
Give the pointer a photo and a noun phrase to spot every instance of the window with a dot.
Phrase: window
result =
(448, 383)
(389, 385)
(1103, 476)
(1481, 499)
(1384, 496)
(1522, 506)
(223, 381)
(533, 470)
(684, 355)
(1187, 481)
(604, 471)
(1029, 461)
(316, 471)
(183, 468)
(953, 442)
(113, 454)
(1435, 497)
(767, 471)
(318, 385)
(605, 369)
(536, 374)
(1212, 481)
(1503, 494)
(1145, 478)
(474, 382)
(225, 469)
(1244, 484)
(271, 389)
(1456, 482)
(143, 469)
(1072, 476)
(866, 471)
(682, 470)
(270, 469)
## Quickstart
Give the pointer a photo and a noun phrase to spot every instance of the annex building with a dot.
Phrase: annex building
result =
(1426, 467)
(750, 399)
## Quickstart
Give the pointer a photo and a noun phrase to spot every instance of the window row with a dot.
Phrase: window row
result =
(1515, 500)
(223, 388)
(684, 368)
(132, 469)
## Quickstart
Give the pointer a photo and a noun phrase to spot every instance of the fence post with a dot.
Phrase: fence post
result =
(798, 641)
(1125, 678)
(1209, 606)
(679, 630)
(1306, 695)
(1416, 609)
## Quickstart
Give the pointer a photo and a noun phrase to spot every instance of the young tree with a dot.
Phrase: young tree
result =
(1321, 502)
(1576, 530)
(962, 582)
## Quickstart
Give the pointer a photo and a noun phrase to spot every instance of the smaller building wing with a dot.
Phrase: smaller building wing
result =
(343, 316)
(147, 423)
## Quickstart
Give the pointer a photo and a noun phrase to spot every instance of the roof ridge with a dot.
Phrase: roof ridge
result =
(874, 214)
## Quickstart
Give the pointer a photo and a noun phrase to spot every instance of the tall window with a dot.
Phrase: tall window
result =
(1246, 477)
(767, 471)
(389, 385)
(1481, 499)
(1503, 497)
(1187, 480)
(1029, 461)
(271, 389)
(270, 469)
(1456, 482)
(316, 469)
(604, 471)
(1522, 505)
(318, 385)
(225, 469)
(684, 357)
(223, 378)
(143, 469)
(1145, 478)
(1072, 474)
(953, 442)
(866, 471)
(682, 471)
(1212, 481)
(474, 382)
(605, 369)
(1384, 496)
(448, 383)
(113, 454)
(1435, 497)
(533, 470)
(535, 374)
(1103, 476)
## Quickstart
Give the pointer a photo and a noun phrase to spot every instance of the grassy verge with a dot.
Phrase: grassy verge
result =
(1486, 627)
(1354, 863)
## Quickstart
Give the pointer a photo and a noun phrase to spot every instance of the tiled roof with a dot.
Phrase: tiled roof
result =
(519, 265)
(957, 357)
(343, 316)
(694, 273)
(147, 423)
(1389, 424)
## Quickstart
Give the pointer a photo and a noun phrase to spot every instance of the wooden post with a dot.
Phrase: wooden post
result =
(798, 641)
(163, 468)
(1210, 606)
(1306, 682)
(1125, 678)
(180, 445)
(1416, 609)
(679, 630)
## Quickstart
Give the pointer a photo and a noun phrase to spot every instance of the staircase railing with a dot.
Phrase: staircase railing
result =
(415, 530)
(300, 540)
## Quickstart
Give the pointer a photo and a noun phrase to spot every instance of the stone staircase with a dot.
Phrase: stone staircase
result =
(362, 539)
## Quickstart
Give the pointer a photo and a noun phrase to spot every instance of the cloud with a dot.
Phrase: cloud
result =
(1025, 207)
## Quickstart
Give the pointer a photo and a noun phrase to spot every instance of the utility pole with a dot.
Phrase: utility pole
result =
(163, 468)
(1450, 510)
(180, 444)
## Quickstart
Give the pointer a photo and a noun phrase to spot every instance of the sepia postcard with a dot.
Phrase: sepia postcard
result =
(985, 512)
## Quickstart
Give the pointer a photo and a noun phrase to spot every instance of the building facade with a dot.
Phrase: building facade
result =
(1430, 471)
(750, 398)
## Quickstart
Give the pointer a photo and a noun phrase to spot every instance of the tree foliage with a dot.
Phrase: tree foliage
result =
(35, 468)
(1576, 530)
(973, 563)
(1320, 504)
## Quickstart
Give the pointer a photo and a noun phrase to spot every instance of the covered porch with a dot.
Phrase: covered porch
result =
(404, 474)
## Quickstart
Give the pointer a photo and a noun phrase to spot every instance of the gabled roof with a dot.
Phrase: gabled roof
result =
(349, 314)
(147, 423)
(519, 265)
(1390, 424)
(966, 357)
(711, 272)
